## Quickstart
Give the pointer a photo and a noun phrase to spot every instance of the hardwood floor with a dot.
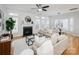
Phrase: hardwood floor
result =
(73, 47)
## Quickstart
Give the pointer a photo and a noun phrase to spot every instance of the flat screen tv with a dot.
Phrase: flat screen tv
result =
(27, 31)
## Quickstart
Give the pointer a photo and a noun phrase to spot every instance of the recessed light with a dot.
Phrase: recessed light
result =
(43, 17)
(13, 14)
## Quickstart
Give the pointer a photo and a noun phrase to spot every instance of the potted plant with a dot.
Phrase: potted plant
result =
(10, 23)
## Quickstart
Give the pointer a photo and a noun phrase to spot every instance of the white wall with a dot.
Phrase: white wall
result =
(21, 20)
(22, 15)
(73, 15)
(4, 11)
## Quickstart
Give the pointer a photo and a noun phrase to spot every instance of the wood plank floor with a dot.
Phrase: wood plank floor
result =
(74, 46)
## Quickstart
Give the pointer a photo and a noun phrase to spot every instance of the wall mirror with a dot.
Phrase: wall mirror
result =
(28, 19)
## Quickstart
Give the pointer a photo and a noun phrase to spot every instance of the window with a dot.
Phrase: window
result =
(41, 23)
(15, 30)
(61, 23)
(71, 24)
(15, 17)
(65, 24)
(37, 23)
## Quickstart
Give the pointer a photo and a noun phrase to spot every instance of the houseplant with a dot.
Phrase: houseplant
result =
(10, 23)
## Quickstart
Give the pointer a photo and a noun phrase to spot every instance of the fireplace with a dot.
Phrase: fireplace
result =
(27, 31)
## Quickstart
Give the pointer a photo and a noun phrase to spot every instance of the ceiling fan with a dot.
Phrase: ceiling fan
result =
(40, 7)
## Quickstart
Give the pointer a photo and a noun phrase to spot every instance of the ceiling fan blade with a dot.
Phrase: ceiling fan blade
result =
(45, 7)
(38, 5)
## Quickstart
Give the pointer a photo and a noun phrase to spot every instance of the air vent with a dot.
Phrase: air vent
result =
(73, 9)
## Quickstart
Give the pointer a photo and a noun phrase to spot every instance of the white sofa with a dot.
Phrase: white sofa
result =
(59, 44)
(56, 45)
(46, 48)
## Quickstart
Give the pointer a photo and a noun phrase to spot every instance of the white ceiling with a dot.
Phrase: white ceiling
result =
(52, 10)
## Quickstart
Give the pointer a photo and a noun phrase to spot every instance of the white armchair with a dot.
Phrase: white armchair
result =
(27, 52)
(19, 46)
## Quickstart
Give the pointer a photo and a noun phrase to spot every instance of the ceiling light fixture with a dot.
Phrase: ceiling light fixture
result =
(43, 17)
(39, 9)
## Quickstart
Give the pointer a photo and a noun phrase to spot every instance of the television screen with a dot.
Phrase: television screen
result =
(27, 31)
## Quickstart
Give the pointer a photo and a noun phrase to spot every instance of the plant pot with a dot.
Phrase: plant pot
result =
(11, 36)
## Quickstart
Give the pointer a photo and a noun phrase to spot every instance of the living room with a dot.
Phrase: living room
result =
(40, 29)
